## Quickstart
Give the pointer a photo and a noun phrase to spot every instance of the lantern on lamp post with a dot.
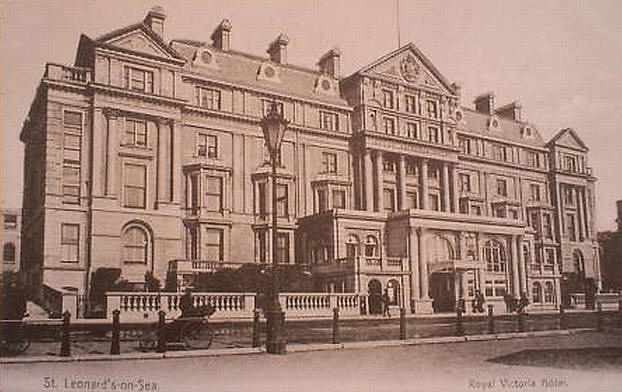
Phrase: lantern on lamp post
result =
(274, 126)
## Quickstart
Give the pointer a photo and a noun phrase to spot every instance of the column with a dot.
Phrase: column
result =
(176, 128)
(369, 189)
(401, 181)
(455, 189)
(515, 277)
(423, 266)
(580, 212)
(97, 153)
(588, 214)
(446, 207)
(413, 247)
(163, 151)
(112, 155)
(379, 182)
(521, 265)
(423, 176)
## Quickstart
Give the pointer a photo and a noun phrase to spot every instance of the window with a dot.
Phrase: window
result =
(549, 256)
(499, 211)
(135, 133)
(213, 193)
(321, 200)
(208, 98)
(8, 252)
(72, 147)
(549, 293)
(329, 121)
(533, 159)
(389, 125)
(570, 163)
(352, 246)
(499, 152)
(69, 242)
(476, 210)
(282, 201)
(534, 192)
(568, 196)
(389, 200)
(513, 213)
(135, 245)
(526, 254)
(262, 189)
(465, 145)
(502, 187)
(579, 264)
(412, 200)
(571, 230)
(393, 291)
(194, 243)
(533, 221)
(10, 221)
(494, 256)
(139, 80)
(387, 96)
(411, 104)
(329, 162)
(435, 204)
(433, 173)
(547, 226)
(135, 186)
(213, 245)
(261, 245)
(411, 168)
(432, 107)
(412, 130)
(433, 135)
(207, 145)
(339, 199)
(388, 165)
(267, 104)
(536, 293)
(371, 246)
(465, 182)
(282, 248)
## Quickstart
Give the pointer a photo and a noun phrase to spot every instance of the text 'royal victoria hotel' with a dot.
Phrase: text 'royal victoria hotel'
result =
(148, 156)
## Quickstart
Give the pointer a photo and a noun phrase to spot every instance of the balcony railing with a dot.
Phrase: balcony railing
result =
(69, 74)
(195, 266)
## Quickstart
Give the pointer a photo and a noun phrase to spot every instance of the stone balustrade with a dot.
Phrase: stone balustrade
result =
(70, 74)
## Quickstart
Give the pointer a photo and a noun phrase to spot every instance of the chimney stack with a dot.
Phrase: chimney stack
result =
(485, 103)
(278, 49)
(221, 37)
(155, 20)
(329, 62)
(511, 111)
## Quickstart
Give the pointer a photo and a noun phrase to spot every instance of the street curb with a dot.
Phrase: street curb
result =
(298, 347)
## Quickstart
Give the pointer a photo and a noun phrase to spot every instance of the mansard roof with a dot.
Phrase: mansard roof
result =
(244, 69)
(568, 138)
(508, 129)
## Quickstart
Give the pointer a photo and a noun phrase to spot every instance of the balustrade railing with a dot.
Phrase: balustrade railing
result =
(395, 262)
(373, 261)
(71, 74)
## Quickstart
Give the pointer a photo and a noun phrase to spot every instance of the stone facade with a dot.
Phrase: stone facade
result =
(148, 156)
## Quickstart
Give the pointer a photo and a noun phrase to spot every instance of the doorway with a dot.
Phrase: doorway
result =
(442, 291)
(374, 289)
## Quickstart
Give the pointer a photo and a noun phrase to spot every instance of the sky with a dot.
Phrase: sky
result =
(561, 59)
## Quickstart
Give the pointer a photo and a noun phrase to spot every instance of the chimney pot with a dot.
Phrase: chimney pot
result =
(329, 62)
(155, 20)
(278, 49)
(485, 103)
(511, 111)
(221, 36)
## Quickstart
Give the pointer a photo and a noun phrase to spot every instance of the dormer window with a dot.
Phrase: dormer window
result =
(139, 79)
(208, 98)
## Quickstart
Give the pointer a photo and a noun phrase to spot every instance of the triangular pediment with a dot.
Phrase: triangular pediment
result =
(408, 65)
(138, 38)
(568, 138)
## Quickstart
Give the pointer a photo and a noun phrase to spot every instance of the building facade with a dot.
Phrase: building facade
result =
(611, 254)
(11, 230)
(149, 156)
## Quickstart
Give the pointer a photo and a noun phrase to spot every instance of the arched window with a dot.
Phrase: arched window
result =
(393, 290)
(135, 241)
(579, 263)
(549, 293)
(8, 252)
(352, 246)
(494, 256)
(371, 246)
(537, 293)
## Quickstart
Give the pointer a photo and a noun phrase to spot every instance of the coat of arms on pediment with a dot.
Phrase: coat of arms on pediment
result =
(410, 69)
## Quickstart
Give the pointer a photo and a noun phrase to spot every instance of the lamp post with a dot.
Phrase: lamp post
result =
(273, 126)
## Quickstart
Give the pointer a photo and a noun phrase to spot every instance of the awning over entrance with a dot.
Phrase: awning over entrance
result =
(454, 265)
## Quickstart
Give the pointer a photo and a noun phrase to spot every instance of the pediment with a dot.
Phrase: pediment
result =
(408, 65)
(141, 39)
(568, 138)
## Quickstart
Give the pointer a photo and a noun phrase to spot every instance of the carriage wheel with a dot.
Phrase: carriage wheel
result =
(198, 335)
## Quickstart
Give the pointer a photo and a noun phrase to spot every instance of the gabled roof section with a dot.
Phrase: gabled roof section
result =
(509, 130)
(139, 38)
(568, 138)
(410, 65)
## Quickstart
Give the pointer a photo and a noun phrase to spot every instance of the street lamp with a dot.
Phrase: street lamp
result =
(273, 126)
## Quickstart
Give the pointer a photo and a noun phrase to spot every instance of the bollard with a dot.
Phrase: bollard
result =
(521, 321)
(335, 325)
(563, 321)
(620, 313)
(161, 332)
(599, 316)
(256, 331)
(491, 319)
(65, 342)
(116, 333)
(459, 325)
(402, 324)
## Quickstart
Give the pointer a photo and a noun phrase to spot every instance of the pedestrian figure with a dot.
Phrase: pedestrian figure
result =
(509, 302)
(385, 303)
(522, 303)
(478, 302)
(185, 304)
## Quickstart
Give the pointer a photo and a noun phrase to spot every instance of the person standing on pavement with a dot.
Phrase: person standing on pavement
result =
(386, 299)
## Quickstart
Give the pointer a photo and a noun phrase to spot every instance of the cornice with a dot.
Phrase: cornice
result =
(160, 99)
